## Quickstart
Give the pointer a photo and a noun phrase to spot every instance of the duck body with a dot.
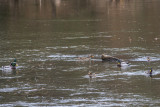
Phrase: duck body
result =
(91, 75)
(123, 64)
(149, 72)
(148, 59)
(109, 58)
(8, 67)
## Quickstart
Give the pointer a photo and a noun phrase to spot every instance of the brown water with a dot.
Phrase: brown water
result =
(47, 36)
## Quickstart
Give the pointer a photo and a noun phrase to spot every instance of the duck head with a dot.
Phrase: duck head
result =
(150, 72)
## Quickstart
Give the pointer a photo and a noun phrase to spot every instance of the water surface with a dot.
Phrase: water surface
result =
(48, 36)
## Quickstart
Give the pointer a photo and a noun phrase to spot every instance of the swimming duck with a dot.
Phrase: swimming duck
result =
(123, 64)
(148, 59)
(109, 58)
(91, 74)
(13, 65)
(130, 40)
(150, 72)
(86, 58)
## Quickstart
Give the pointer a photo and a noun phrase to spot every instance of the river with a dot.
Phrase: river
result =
(47, 37)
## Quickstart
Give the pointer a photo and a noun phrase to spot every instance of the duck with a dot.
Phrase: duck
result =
(148, 59)
(149, 72)
(13, 65)
(123, 64)
(109, 58)
(85, 58)
(130, 40)
(91, 74)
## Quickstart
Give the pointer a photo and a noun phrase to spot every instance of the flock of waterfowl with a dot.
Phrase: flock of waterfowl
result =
(107, 58)
(120, 63)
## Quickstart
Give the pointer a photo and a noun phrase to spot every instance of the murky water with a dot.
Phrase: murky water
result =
(48, 36)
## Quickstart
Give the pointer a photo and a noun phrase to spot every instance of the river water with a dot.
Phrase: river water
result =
(47, 37)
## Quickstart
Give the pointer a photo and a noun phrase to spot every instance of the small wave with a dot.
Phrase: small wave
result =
(62, 56)
(100, 93)
(97, 75)
(66, 89)
(145, 59)
(139, 73)
(82, 37)
(133, 73)
(8, 89)
(10, 77)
